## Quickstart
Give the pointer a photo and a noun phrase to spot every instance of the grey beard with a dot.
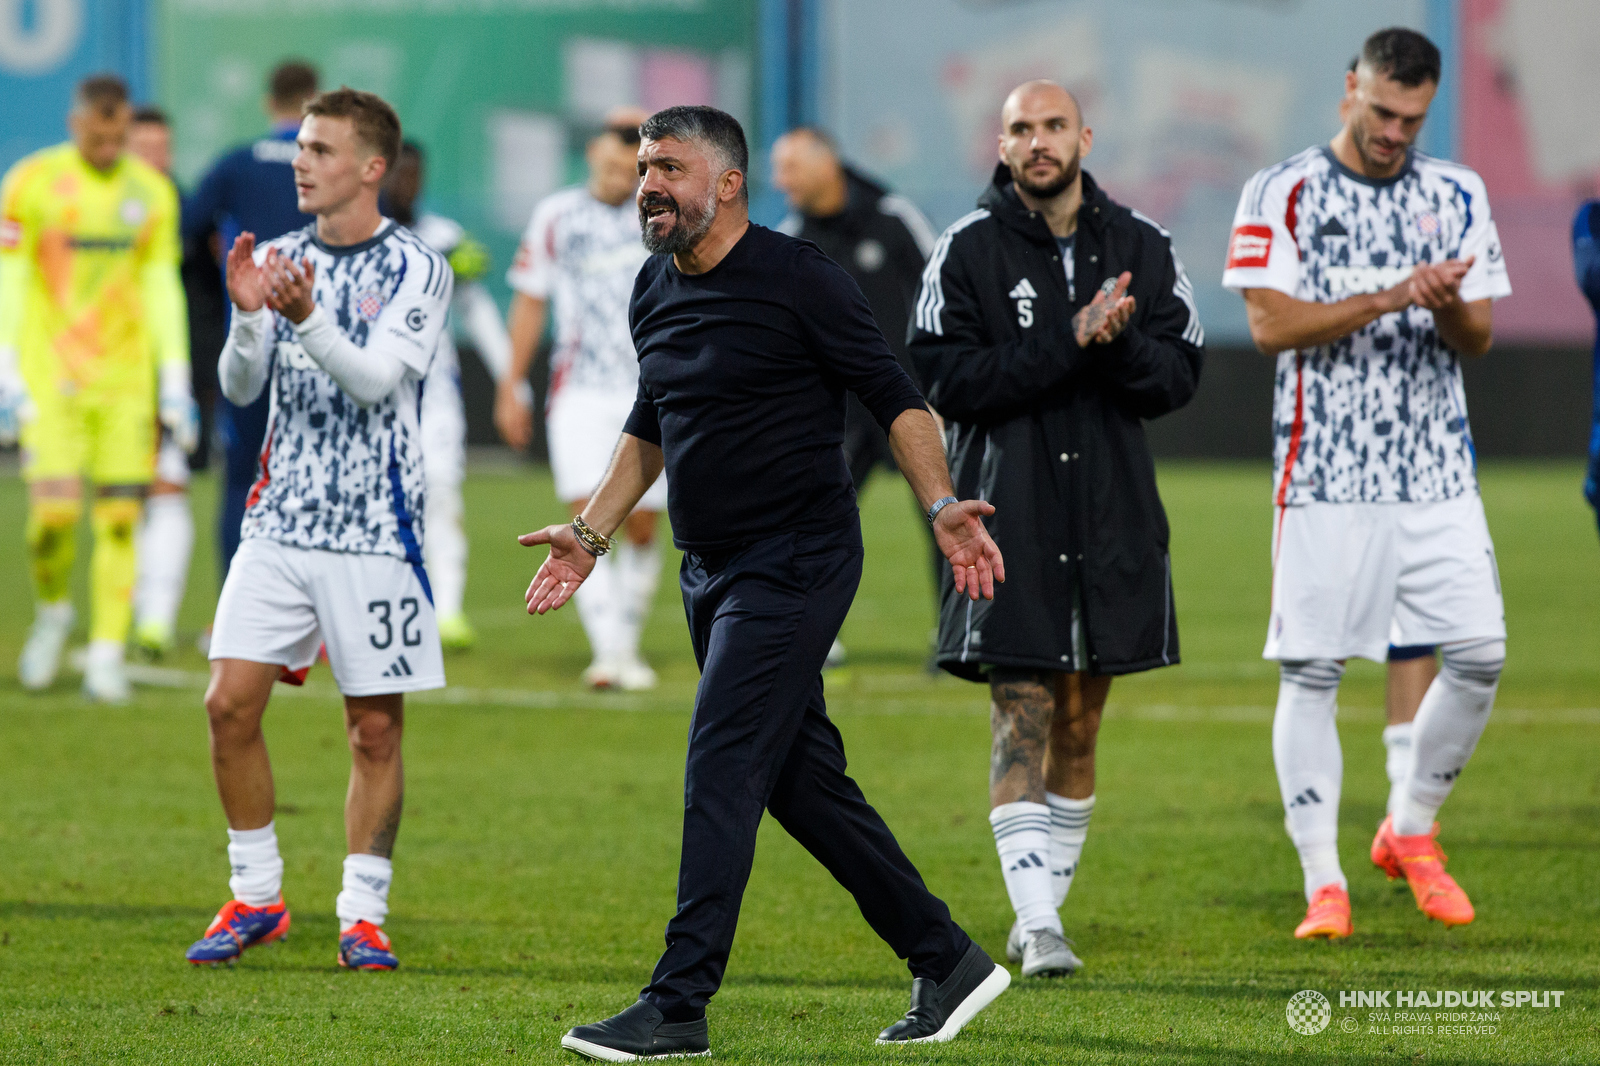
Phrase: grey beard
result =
(693, 224)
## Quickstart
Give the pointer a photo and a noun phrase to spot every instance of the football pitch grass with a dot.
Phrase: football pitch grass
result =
(536, 864)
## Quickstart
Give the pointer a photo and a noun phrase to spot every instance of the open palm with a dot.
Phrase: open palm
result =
(247, 284)
(974, 557)
(562, 571)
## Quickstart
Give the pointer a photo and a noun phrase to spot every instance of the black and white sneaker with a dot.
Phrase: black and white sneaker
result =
(638, 1033)
(938, 1011)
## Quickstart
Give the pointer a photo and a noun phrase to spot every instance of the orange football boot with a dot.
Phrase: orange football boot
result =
(1328, 916)
(1420, 860)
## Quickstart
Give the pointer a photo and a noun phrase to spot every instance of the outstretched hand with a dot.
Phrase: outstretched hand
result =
(562, 571)
(974, 557)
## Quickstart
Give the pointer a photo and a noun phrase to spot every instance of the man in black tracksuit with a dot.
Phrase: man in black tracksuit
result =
(1052, 324)
(747, 341)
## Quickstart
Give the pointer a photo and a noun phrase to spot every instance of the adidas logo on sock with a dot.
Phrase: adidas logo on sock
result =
(1026, 861)
(398, 668)
(1306, 798)
(377, 884)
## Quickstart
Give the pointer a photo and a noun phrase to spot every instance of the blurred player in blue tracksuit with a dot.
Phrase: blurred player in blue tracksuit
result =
(251, 188)
(1586, 260)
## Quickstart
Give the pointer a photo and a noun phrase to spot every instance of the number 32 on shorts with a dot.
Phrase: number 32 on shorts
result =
(384, 616)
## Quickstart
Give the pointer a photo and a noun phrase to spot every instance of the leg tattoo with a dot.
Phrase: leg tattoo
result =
(1019, 718)
(382, 842)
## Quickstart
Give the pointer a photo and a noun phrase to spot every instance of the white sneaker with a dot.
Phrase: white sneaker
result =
(634, 675)
(104, 678)
(1046, 953)
(41, 656)
(601, 674)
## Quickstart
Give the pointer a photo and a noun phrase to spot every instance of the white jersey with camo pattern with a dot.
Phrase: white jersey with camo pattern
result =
(582, 256)
(336, 475)
(1378, 416)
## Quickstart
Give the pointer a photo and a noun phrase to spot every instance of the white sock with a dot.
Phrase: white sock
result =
(640, 568)
(166, 541)
(445, 546)
(1449, 723)
(1305, 750)
(1022, 837)
(366, 890)
(1069, 828)
(597, 603)
(257, 869)
(105, 653)
(1397, 760)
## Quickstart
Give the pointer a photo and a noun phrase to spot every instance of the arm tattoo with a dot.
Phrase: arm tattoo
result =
(382, 842)
(1020, 718)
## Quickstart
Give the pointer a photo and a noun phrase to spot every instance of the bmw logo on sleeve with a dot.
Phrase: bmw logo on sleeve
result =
(415, 319)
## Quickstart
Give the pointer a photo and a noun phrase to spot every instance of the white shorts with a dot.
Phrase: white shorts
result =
(281, 602)
(1350, 579)
(583, 426)
(172, 465)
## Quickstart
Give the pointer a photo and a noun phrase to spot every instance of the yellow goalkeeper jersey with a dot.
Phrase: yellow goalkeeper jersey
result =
(89, 285)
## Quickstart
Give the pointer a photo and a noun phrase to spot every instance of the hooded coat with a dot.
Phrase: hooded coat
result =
(1053, 434)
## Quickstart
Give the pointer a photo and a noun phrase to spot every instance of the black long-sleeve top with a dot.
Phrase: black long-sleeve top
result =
(742, 378)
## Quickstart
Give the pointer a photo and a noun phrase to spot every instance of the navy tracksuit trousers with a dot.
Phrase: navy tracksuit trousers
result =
(762, 618)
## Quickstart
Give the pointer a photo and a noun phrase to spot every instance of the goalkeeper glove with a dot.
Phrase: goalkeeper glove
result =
(470, 260)
(16, 407)
(179, 413)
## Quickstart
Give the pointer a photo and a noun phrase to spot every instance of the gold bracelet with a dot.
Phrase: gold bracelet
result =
(591, 541)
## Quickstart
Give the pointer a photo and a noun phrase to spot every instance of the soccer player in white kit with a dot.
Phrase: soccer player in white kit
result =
(444, 416)
(580, 255)
(340, 321)
(1370, 270)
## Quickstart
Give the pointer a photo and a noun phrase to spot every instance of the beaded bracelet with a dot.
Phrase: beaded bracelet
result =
(589, 540)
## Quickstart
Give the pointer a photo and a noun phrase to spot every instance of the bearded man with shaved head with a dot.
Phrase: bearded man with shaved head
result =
(747, 341)
(1052, 323)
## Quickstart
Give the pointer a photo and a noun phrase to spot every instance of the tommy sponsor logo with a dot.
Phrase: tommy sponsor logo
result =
(1362, 279)
(1024, 294)
(1249, 246)
(398, 668)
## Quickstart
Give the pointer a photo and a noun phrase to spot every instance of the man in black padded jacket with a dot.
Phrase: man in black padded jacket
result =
(1051, 323)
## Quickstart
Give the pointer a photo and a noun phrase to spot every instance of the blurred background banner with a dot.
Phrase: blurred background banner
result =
(502, 93)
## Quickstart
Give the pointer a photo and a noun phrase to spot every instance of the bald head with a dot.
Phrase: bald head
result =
(1043, 139)
(805, 165)
(1041, 94)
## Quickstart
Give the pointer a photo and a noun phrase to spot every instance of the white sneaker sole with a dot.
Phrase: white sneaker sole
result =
(605, 1054)
(998, 981)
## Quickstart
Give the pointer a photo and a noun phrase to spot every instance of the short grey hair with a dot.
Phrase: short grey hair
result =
(715, 132)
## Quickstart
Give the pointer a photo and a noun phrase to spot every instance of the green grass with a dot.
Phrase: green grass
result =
(536, 866)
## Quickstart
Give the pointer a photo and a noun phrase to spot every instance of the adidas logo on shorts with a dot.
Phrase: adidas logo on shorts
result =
(398, 668)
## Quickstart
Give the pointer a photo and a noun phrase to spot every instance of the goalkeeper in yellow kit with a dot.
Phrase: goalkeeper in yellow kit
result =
(91, 315)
